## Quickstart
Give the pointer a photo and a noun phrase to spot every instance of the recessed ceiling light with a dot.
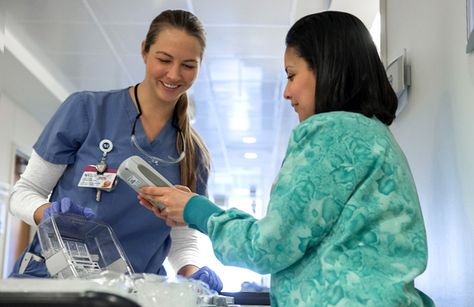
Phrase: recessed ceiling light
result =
(249, 140)
(250, 155)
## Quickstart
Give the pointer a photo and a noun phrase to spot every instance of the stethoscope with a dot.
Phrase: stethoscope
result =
(156, 160)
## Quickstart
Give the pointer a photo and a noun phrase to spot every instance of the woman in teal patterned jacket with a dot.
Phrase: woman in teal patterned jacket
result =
(344, 225)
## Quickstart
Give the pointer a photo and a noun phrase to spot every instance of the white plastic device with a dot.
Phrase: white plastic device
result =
(399, 75)
(137, 173)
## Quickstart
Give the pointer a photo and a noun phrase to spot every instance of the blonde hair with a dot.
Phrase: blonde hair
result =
(189, 168)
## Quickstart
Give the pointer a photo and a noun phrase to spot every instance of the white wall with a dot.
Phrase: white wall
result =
(436, 131)
(18, 131)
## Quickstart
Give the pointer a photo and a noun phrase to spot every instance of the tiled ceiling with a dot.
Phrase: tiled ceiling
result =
(56, 47)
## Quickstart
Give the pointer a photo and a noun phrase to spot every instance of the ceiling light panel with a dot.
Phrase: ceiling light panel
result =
(238, 12)
(259, 42)
(143, 11)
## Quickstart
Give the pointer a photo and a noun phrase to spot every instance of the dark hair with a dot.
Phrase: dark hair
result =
(197, 154)
(349, 74)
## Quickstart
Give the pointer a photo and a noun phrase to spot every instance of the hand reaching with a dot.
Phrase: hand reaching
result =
(174, 199)
(66, 205)
(210, 277)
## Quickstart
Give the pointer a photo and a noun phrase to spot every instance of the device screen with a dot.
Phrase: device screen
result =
(157, 181)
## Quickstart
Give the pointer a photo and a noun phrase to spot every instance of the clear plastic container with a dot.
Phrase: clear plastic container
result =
(74, 247)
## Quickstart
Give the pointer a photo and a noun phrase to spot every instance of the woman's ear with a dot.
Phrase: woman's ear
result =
(143, 52)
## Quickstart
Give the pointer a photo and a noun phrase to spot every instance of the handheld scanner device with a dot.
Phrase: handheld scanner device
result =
(137, 173)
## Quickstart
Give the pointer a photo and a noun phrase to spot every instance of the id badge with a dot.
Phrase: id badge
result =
(91, 179)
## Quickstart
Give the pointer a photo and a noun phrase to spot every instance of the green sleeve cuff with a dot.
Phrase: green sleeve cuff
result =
(197, 212)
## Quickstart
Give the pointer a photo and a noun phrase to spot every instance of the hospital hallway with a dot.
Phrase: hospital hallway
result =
(50, 49)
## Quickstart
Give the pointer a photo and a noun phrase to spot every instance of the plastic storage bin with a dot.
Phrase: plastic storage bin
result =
(74, 246)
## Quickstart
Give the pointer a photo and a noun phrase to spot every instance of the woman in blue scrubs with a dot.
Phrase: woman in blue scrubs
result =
(95, 131)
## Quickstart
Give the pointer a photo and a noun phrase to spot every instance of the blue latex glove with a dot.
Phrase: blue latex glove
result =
(210, 277)
(66, 205)
(36, 267)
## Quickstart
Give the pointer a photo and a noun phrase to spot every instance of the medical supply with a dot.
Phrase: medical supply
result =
(74, 246)
(107, 289)
(137, 173)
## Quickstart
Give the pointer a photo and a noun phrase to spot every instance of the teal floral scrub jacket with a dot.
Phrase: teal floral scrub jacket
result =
(343, 227)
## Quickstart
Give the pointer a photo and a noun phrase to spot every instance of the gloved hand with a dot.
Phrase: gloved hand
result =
(66, 205)
(210, 277)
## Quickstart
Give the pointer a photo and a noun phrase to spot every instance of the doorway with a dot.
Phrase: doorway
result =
(17, 233)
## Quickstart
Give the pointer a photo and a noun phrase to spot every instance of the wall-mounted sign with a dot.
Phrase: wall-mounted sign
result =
(470, 25)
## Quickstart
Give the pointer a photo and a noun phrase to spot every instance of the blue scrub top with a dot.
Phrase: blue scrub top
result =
(72, 137)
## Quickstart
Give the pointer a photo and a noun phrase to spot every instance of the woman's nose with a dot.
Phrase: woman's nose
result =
(174, 72)
(286, 95)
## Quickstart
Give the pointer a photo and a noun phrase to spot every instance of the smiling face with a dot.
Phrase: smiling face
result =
(172, 64)
(301, 85)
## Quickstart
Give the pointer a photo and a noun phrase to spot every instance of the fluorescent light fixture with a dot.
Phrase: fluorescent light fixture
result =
(250, 155)
(35, 67)
(2, 40)
(239, 192)
(250, 73)
(221, 178)
(239, 123)
(249, 140)
(224, 69)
